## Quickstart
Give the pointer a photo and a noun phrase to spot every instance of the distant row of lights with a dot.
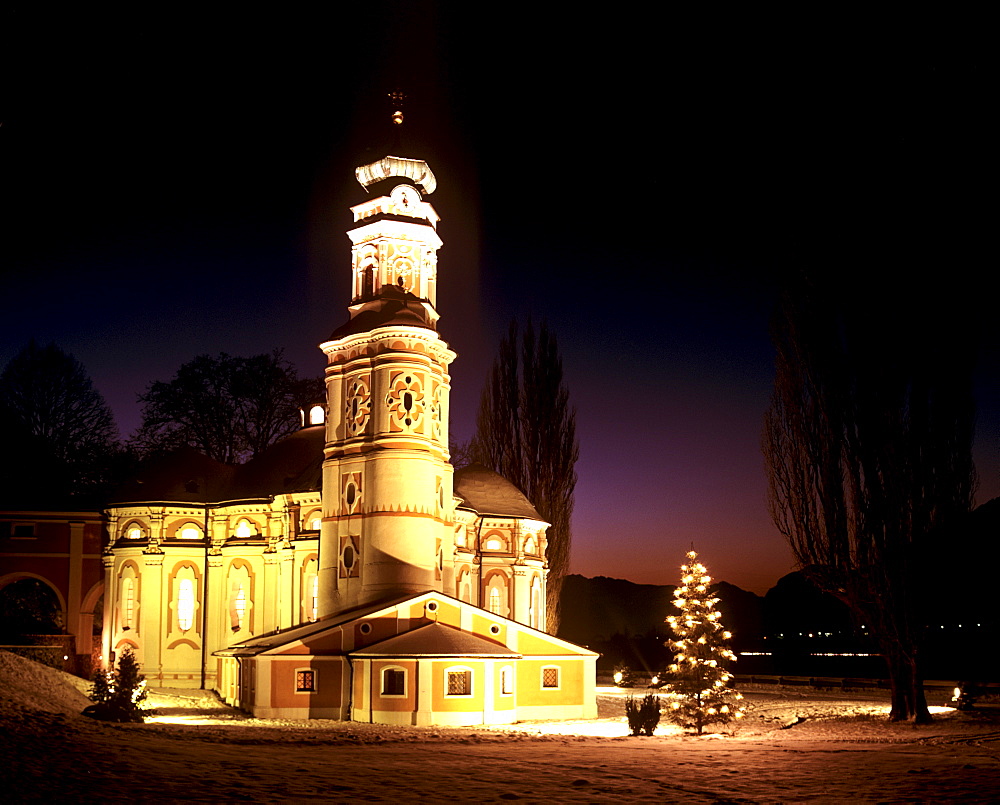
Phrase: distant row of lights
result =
(827, 654)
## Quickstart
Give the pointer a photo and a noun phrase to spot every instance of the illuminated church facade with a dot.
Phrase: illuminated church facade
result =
(349, 572)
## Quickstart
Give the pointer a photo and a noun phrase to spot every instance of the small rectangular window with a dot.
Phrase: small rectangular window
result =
(460, 683)
(507, 681)
(24, 531)
(550, 677)
(305, 681)
(393, 682)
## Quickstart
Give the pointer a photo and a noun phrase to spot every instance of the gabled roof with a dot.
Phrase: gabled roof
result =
(488, 493)
(282, 637)
(435, 640)
(451, 643)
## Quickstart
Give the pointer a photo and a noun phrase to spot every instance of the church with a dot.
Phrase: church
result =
(349, 572)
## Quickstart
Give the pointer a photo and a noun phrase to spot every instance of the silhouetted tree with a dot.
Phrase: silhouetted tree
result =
(28, 607)
(526, 431)
(230, 408)
(868, 450)
(59, 435)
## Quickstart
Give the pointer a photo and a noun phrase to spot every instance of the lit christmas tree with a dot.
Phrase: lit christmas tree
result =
(698, 691)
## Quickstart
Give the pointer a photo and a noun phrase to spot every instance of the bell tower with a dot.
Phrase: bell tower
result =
(388, 514)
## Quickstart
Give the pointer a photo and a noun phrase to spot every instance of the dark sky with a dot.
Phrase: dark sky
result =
(178, 182)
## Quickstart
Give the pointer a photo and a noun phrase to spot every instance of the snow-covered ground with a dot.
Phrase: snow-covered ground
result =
(793, 746)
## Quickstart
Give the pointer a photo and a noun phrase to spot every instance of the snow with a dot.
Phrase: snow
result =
(793, 746)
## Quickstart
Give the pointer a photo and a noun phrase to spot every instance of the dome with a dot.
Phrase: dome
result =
(489, 493)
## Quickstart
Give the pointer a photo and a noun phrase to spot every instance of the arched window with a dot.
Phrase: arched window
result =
(128, 602)
(189, 531)
(535, 605)
(393, 682)
(317, 415)
(310, 590)
(496, 596)
(134, 532)
(238, 609)
(185, 604)
(245, 529)
(240, 586)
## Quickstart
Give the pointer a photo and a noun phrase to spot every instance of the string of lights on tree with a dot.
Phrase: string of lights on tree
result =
(698, 692)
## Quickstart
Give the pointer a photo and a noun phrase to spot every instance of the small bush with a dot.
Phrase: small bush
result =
(643, 714)
(118, 694)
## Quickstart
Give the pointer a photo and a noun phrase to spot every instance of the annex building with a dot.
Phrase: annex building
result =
(349, 572)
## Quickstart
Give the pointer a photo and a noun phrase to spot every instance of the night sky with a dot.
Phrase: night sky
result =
(178, 183)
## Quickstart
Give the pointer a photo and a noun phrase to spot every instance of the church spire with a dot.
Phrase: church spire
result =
(395, 240)
(388, 511)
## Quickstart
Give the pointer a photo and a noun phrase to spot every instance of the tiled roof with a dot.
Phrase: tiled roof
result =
(488, 493)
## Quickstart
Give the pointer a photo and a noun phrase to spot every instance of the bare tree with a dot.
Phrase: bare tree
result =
(526, 431)
(59, 435)
(230, 408)
(868, 451)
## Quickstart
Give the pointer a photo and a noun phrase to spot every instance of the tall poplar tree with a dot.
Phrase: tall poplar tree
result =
(868, 445)
(526, 431)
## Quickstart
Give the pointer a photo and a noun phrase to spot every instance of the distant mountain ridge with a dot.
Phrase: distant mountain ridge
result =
(595, 610)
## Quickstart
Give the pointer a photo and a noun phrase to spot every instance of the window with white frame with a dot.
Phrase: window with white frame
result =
(393, 682)
(506, 680)
(458, 682)
(305, 680)
(550, 677)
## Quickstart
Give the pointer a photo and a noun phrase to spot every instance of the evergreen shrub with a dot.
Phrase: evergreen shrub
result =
(643, 714)
(118, 694)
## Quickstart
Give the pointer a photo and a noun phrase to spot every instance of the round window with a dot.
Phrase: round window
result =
(365, 628)
(494, 629)
(432, 606)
